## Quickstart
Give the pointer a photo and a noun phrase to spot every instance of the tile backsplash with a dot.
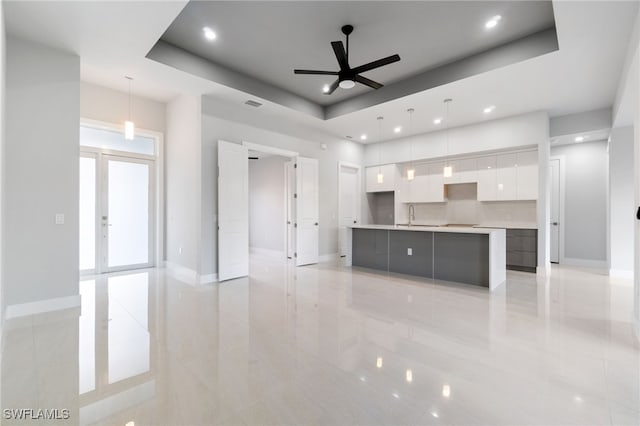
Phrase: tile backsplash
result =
(463, 207)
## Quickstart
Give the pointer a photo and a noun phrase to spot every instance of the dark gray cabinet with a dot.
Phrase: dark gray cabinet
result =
(462, 258)
(522, 249)
(420, 262)
(448, 256)
(371, 248)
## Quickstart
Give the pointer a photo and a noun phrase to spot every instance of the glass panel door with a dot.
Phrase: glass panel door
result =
(127, 225)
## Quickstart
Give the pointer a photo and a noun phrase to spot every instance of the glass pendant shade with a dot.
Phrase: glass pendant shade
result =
(129, 130)
(411, 174)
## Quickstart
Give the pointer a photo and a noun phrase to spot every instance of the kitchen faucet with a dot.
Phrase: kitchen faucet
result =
(412, 213)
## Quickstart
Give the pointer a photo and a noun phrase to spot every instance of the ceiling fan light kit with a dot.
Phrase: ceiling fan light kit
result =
(347, 76)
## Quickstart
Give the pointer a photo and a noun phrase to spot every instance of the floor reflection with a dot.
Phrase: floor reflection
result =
(330, 345)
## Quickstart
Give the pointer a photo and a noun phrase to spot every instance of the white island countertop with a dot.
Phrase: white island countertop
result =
(422, 228)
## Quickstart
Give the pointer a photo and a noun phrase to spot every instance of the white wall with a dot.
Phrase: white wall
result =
(215, 128)
(585, 217)
(111, 106)
(580, 122)
(41, 173)
(621, 205)
(183, 182)
(266, 203)
(511, 132)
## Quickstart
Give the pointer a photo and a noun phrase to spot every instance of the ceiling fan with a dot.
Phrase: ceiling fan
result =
(347, 76)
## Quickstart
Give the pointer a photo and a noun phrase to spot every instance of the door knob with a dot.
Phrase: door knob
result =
(316, 224)
(355, 221)
(554, 223)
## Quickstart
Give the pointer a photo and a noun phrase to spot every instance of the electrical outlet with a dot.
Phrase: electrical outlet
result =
(409, 251)
(59, 218)
(180, 250)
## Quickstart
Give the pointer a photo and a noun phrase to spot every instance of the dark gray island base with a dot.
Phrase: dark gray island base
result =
(474, 257)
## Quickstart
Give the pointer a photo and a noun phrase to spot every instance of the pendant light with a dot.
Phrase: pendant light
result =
(448, 170)
(380, 174)
(411, 172)
(129, 127)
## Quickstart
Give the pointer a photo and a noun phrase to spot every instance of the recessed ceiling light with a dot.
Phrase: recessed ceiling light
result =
(398, 129)
(435, 414)
(325, 88)
(209, 34)
(437, 120)
(579, 138)
(489, 109)
(491, 23)
(363, 137)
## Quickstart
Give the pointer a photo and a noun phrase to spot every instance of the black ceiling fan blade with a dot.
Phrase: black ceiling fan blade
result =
(376, 64)
(367, 82)
(341, 55)
(315, 72)
(333, 87)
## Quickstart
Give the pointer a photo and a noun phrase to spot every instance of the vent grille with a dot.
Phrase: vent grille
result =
(253, 103)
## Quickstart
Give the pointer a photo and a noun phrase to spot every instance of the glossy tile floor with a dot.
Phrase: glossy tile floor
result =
(331, 345)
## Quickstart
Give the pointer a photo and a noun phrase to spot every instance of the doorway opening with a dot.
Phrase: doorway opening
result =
(349, 190)
(118, 199)
(300, 234)
(271, 231)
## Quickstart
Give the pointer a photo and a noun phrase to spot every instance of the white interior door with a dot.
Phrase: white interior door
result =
(127, 213)
(233, 211)
(348, 204)
(555, 211)
(307, 211)
(290, 190)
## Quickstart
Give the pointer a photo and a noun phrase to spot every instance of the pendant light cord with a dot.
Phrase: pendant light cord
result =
(380, 146)
(129, 78)
(410, 111)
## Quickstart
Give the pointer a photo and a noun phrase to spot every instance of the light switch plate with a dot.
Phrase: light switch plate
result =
(409, 251)
(59, 218)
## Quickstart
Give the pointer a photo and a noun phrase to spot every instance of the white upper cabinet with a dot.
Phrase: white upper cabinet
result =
(527, 163)
(487, 179)
(464, 171)
(388, 172)
(435, 183)
(427, 186)
(506, 176)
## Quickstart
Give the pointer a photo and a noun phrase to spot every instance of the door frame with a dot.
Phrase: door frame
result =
(359, 192)
(561, 203)
(157, 255)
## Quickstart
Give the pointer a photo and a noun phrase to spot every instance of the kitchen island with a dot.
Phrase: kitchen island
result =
(475, 256)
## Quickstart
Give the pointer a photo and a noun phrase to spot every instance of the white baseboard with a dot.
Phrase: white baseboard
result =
(328, 257)
(586, 263)
(274, 254)
(621, 273)
(188, 275)
(208, 278)
(41, 306)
